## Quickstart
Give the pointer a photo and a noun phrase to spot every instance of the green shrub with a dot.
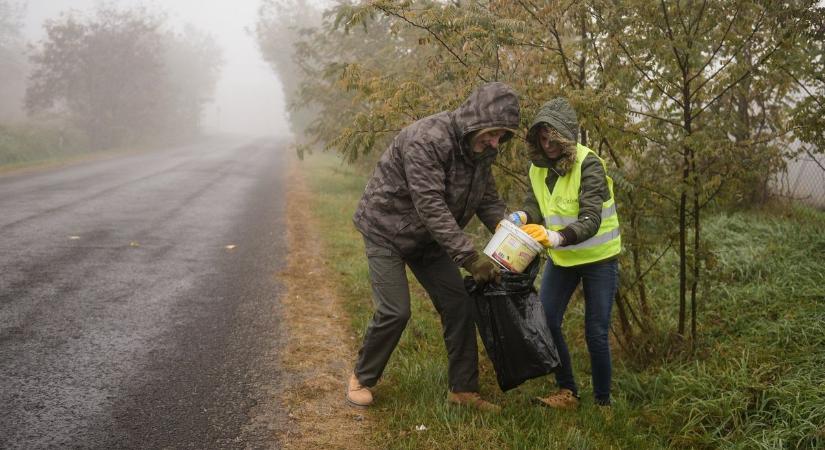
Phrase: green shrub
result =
(30, 143)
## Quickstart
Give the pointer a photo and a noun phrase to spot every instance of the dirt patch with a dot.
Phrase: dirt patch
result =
(318, 350)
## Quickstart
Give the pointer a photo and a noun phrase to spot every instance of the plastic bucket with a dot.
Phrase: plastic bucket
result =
(512, 248)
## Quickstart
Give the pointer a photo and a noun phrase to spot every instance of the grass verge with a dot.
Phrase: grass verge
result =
(27, 143)
(34, 147)
(758, 385)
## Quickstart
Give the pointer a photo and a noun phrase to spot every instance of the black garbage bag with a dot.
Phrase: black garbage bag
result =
(511, 322)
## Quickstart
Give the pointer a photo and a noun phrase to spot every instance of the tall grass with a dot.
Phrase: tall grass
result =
(761, 380)
(759, 383)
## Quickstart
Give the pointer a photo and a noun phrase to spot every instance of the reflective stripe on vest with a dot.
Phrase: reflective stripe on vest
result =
(563, 221)
(560, 208)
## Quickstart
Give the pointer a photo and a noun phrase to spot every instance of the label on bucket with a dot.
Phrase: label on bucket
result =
(509, 254)
(512, 248)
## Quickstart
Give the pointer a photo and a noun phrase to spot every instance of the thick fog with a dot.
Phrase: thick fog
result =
(248, 96)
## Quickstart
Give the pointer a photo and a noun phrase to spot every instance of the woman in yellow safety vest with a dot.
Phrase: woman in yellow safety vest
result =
(571, 211)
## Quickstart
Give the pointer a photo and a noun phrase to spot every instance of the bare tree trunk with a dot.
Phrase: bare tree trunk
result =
(641, 288)
(627, 332)
(683, 198)
(682, 248)
(696, 253)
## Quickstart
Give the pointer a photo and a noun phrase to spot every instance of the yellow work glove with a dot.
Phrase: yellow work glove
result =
(545, 237)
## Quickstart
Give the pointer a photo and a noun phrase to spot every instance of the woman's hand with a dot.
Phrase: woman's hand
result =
(545, 237)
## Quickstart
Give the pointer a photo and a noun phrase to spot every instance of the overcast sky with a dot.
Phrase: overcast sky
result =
(248, 97)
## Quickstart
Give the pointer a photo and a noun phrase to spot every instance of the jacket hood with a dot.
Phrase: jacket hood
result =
(559, 115)
(491, 105)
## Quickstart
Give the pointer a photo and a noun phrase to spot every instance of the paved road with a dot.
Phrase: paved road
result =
(125, 321)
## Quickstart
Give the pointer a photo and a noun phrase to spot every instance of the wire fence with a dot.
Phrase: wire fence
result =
(805, 180)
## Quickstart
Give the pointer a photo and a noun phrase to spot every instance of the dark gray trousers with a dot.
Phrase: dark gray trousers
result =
(440, 277)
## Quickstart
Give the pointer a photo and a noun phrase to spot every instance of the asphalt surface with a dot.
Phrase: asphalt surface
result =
(127, 319)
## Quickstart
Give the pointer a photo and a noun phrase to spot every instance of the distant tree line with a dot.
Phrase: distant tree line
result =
(12, 61)
(120, 76)
(283, 25)
(694, 104)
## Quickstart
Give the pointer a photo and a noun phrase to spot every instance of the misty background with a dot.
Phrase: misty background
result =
(247, 99)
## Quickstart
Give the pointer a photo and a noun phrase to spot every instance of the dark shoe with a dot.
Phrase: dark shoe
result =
(472, 400)
(357, 395)
(561, 399)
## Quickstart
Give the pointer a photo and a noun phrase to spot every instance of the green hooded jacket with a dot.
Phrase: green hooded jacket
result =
(559, 115)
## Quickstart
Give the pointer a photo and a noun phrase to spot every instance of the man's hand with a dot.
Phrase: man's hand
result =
(543, 236)
(482, 269)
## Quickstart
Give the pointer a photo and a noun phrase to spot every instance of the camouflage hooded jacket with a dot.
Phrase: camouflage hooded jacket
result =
(428, 184)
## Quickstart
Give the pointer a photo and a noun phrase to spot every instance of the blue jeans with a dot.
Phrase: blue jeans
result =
(599, 281)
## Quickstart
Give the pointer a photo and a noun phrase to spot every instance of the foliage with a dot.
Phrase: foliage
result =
(281, 25)
(12, 61)
(687, 101)
(192, 61)
(809, 111)
(119, 77)
(348, 74)
(11, 16)
(685, 62)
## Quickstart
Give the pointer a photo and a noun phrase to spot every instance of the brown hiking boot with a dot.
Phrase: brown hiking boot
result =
(561, 399)
(357, 395)
(472, 400)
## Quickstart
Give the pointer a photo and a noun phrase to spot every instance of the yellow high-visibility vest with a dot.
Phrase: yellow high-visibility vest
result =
(561, 208)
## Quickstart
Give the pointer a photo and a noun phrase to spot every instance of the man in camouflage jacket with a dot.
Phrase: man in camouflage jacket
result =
(435, 176)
